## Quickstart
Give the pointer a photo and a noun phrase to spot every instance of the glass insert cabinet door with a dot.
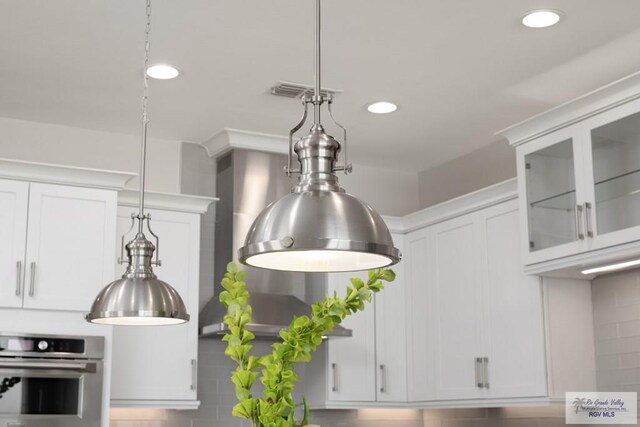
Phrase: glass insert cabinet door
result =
(616, 174)
(552, 209)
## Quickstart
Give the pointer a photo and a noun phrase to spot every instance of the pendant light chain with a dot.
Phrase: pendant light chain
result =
(145, 118)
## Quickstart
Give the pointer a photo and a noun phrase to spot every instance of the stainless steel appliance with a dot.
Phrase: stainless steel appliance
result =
(50, 381)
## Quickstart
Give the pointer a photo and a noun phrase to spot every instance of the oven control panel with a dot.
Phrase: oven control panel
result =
(17, 345)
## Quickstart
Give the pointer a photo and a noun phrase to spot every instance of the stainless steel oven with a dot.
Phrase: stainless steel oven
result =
(50, 381)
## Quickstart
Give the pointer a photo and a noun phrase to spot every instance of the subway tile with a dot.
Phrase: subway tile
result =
(626, 313)
(618, 346)
(608, 361)
(606, 331)
(629, 329)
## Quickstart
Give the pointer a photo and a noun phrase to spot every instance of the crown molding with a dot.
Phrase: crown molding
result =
(228, 139)
(605, 98)
(483, 198)
(167, 201)
(65, 175)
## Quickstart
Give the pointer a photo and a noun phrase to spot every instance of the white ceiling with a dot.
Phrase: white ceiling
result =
(459, 69)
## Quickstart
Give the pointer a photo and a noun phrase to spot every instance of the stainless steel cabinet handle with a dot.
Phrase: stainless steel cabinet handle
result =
(334, 368)
(32, 283)
(579, 231)
(587, 214)
(383, 380)
(485, 372)
(478, 366)
(194, 374)
(18, 278)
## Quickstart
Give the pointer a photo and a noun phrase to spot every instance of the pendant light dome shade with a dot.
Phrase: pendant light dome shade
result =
(327, 231)
(132, 302)
(139, 297)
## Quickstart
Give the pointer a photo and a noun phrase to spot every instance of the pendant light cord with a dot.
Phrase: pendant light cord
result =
(145, 119)
(317, 99)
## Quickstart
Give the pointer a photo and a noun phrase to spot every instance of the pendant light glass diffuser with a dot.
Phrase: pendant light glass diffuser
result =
(318, 227)
(139, 298)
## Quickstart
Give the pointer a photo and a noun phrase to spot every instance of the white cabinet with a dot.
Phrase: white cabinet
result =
(368, 368)
(157, 366)
(14, 199)
(579, 181)
(391, 336)
(55, 254)
(514, 342)
(352, 360)
(477, 328)
(454, 307)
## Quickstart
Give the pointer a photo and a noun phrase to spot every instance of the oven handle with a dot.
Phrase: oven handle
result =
(90, 367)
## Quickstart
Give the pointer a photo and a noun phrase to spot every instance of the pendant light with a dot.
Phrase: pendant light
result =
(318, 227)
(139, 297)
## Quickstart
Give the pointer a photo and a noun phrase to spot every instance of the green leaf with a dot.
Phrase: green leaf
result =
(388, 275)
(244, 409)
(358, 283)
(232, 267)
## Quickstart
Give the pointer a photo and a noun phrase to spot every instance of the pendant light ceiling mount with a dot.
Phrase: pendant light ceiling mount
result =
(139, 298)
(318, 227)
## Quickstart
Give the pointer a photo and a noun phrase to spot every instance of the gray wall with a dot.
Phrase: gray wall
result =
(481, 168)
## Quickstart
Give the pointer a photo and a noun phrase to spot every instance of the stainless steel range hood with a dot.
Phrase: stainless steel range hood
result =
(246, 182)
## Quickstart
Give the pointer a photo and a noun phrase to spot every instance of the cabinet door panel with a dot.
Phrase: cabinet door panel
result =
(612, 164)
(391, 339)
(552, 198)
(14, 198)
(351, 369)
(69, 246)
(155, 362)
(420, 343)
(513, 315)
(456, 307)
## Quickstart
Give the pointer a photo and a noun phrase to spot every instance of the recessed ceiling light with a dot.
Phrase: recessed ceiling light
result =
(382, 107)
(541, 18)
(163, 72)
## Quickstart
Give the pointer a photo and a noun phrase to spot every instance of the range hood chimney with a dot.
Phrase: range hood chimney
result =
(246, 182)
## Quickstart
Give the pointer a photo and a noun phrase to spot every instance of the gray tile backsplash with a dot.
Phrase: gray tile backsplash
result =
(616, 316)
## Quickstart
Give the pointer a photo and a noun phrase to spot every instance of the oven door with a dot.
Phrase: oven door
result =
(51, 393)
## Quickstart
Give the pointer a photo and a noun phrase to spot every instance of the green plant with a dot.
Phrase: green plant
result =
(275, 408)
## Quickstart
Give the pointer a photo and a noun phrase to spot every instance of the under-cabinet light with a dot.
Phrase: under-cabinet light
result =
(611, 267)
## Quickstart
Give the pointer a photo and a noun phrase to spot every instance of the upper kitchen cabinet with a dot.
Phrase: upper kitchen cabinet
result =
(57, 226)
(156, 366)
(14, 199)
(579, 181)
(476, 327)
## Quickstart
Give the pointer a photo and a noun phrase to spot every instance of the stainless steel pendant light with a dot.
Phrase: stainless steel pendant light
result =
(139, 297)
(318, 227)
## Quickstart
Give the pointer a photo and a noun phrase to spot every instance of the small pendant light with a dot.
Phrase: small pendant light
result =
(139, 298)
(318, 227)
